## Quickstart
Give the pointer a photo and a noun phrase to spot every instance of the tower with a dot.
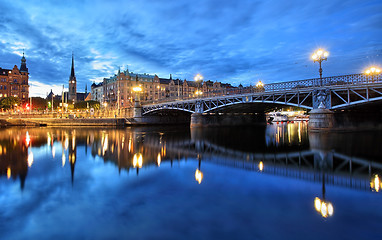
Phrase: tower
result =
(72, 84)
(23, 66)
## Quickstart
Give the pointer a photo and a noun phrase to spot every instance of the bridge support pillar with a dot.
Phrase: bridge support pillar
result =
(137, 111)
(196, 120)
(321, 119)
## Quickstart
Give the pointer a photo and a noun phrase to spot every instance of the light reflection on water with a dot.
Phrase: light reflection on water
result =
(247, 180)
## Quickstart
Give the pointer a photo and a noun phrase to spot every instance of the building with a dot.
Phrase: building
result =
(14, 82)
(117, 91)
(72, 85)
(97, 92)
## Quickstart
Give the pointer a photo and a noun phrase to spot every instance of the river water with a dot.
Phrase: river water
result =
(273, 182)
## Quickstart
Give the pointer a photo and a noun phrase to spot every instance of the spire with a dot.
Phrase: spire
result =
(72, 75)
(170, 76)
(86, 89)
(23, 67)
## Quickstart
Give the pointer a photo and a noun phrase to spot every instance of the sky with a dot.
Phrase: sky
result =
(237, 42)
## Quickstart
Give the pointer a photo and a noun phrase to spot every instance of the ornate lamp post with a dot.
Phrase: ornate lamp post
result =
(319, 56)
(373, 71)
(259, 86)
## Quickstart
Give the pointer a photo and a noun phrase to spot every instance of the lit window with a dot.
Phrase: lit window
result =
(5, 95)
(1, 95)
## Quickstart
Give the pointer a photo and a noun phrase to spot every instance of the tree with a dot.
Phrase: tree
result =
(39, 103)
(86, 104)
(9, 103)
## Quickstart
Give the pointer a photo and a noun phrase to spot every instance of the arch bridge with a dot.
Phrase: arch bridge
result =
(338, 92)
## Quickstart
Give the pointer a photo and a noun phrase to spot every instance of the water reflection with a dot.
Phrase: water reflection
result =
(285, 149)
(288, 150)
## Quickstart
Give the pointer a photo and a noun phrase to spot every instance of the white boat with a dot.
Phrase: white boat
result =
(277, 117)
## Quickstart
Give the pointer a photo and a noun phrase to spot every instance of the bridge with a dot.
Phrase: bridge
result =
(337, 92)
(321, 96)
(335, 168)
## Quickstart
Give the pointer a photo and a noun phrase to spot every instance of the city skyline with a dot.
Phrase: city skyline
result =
(236, 43)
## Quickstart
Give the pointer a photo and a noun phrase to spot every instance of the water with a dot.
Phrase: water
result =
(177, 183)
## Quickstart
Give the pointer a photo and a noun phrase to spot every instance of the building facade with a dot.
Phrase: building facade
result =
(97, 92)
(117, 91)
(14, 82)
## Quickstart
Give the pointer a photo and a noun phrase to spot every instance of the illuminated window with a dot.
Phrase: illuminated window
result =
(5, 95)
(1, 95)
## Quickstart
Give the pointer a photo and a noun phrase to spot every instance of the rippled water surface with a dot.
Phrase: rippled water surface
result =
(274, 182)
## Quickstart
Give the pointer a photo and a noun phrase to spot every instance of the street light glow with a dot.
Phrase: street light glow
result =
(198, 77)
(137, 89)
(373, 70)
(259, 84)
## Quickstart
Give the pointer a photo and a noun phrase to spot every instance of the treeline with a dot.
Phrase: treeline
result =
(38, 103)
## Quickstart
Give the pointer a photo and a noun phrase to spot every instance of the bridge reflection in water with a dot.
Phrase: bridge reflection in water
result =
(342, 159)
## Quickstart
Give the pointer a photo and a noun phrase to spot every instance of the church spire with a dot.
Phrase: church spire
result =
(72, 75)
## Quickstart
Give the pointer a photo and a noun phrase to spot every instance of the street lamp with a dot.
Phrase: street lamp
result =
(319, 56)
(259, 86)
(373, 71)
(198, 78)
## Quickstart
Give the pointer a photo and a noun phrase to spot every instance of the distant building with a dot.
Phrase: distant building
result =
(97, 92)
(14, 82)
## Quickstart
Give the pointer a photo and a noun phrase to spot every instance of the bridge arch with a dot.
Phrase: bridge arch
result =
(269, 104)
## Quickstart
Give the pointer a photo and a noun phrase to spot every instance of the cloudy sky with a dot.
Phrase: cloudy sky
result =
(240, 41)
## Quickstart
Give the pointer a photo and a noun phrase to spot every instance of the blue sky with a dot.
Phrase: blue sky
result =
(237, 42)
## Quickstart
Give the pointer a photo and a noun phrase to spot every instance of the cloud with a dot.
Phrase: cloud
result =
(237, 40)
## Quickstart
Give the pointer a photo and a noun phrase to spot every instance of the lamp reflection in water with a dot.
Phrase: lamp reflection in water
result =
(375, 183)
(63, 160)
(261, 166)
(325, 208)
(30, 159)
(137, 160)
(27, 139)
(198, 173)
(159, 159)
(9, 173)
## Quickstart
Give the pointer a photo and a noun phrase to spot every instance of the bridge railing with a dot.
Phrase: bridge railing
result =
(327, 81)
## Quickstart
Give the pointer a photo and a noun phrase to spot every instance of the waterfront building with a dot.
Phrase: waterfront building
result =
(14, 82)
(117, 91)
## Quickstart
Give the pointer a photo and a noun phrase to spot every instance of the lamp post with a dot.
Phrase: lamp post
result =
(319, 56)
(373, 71)
(52, 103)
(198, 78)
(259, 86)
